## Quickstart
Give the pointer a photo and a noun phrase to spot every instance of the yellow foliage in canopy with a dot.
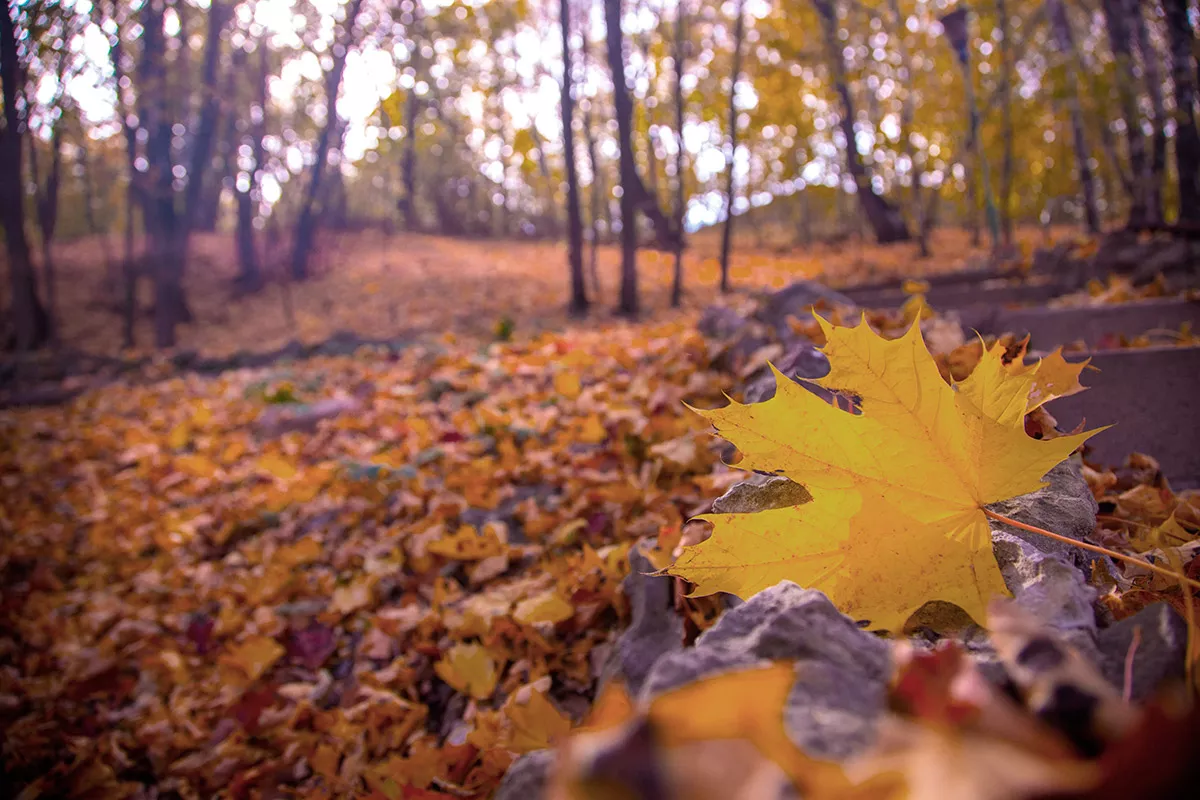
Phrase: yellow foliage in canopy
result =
(896, 517)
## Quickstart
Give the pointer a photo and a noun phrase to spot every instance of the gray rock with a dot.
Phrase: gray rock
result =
(1050, 588)
(527, 776)
(655, 630)
(800, 360)
(842, 671)
(1160, 653)
(1064, 506)
(720, 322)
(1049, 578)
(796, 301)
(759, 492)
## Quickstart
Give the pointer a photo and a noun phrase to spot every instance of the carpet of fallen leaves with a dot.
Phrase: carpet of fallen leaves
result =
(375, 575)
(206, 588)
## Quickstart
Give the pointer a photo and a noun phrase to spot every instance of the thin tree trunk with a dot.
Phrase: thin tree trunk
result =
(133, 192)
(739, 31)
(1008, 162)
(307, 221)
(1152, 73)
(163, 225)
(1187, 140)
(46, 197)
(624, 108)
(1066, 46)
(679, 53)
(1118, 14)
(887, 223)
(30, 325)
(249, 278)
(906, 123)
(597, 202)
(579, 300)
(544, 169)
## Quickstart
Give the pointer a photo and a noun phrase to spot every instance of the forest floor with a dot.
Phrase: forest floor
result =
(374, 575)
(388, 287)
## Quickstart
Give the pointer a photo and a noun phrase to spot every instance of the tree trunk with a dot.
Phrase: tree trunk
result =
(1008, 162)
(597, 201)
(30, 325)
(679, 53)
(163, 225)
(887, 223)
(133, 194)
(408, 157)
(906, 122)
(544, 168)
(1152, 72)
(624, 108)
(307, 221)
(1065, 40)
(1118, 15)
(1187, 140)
(579, 300)
(249, 279)
(739, 30)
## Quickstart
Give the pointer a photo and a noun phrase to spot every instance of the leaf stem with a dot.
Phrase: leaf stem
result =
(1095, 548)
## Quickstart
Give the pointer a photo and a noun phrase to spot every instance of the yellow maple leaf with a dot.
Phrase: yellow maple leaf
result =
(470, 669)
(896, 517)
(469, 544)
(536, 723)
(547, 606)
(567, 384)
(276, 465)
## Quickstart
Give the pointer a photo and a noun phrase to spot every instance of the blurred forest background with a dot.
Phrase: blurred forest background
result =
(161, 159)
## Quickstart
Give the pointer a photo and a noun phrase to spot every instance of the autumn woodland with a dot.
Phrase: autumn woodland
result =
(599, 399)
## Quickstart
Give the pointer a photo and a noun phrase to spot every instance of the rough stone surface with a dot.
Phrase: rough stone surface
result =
(759, 492)
(1065, 506)
(1160, 652)
(526, 778)
(1050, 588)
(655, 629)
(841, 674)
(720, 322)
(800, 360)
(796, 300)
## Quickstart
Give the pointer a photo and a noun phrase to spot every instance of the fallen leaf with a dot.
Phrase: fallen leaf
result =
(469, 669)
(896, 517)
(254, 655)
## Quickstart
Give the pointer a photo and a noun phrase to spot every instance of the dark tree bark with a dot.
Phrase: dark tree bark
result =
(46, 205)
(1008, 161)
(133, 192)
(624, 108)
(579, 300)
(1182, 39)
(307, 221)
(408, 157)
(30, 325)
(1152, 73)
(200, 161)
(1065, 40)
(906, 123)
(678, 54)
(598, 202)
(1118, 15)
(739, 30)
(161, 217)
(885, 220)
(249, 278)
